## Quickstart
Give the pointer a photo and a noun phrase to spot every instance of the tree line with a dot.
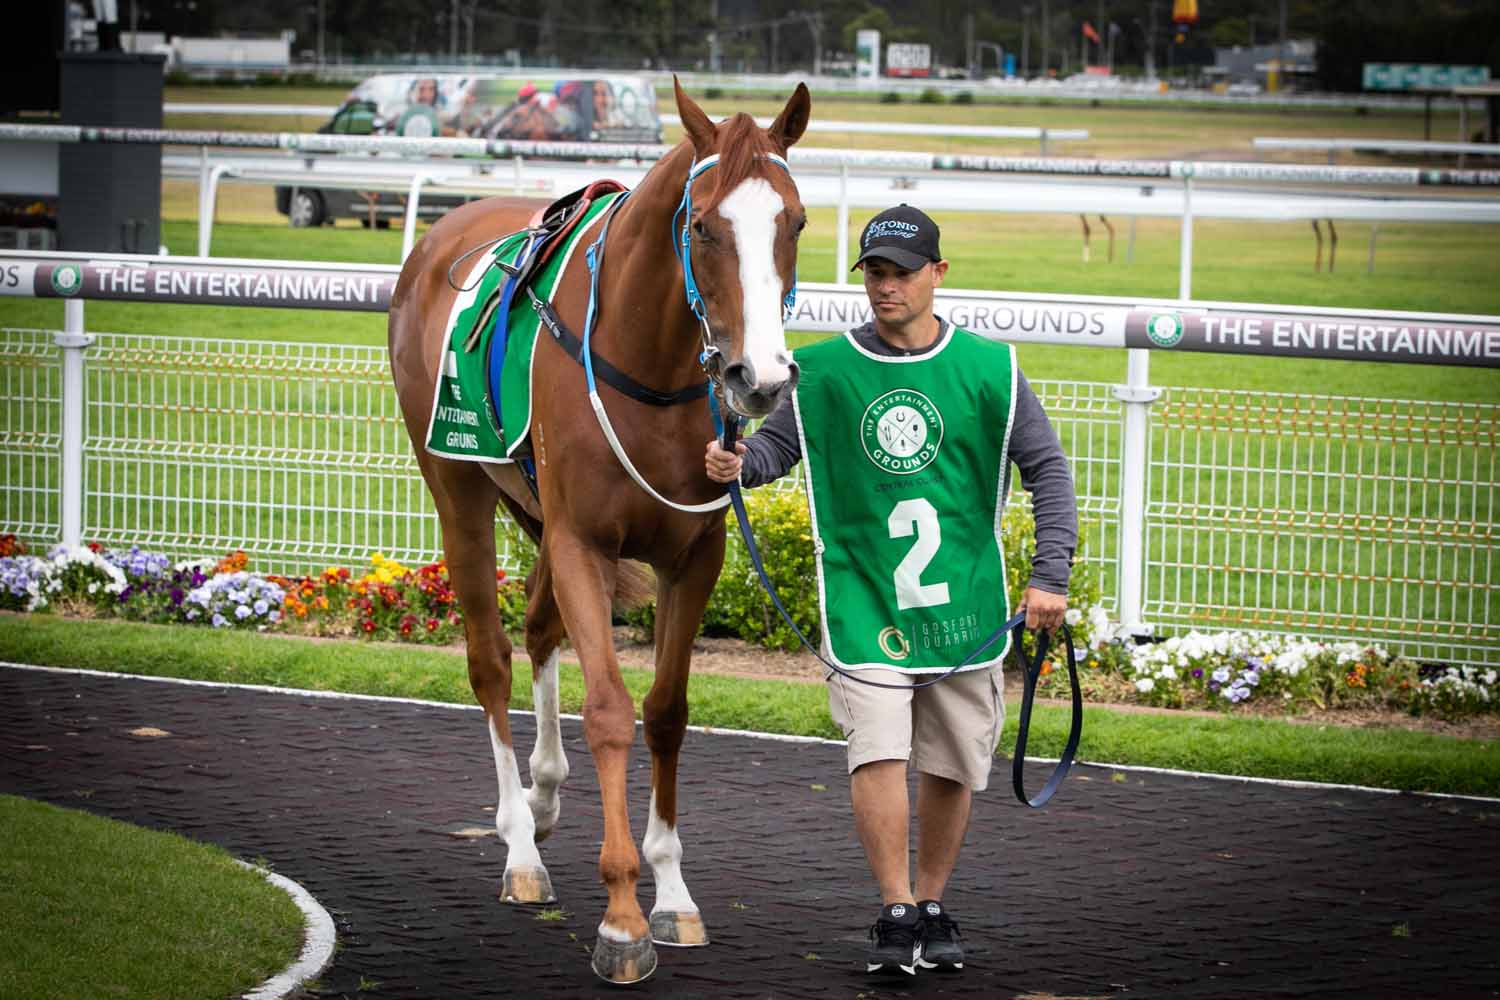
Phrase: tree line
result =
(787, 35)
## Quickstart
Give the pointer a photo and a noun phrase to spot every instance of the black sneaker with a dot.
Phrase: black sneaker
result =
(939, 939)
(896, 943)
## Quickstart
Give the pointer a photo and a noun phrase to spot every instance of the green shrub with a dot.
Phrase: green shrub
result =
(964, 97)
(890, 97)
(739, 603)
(713, 93)
(930, 96)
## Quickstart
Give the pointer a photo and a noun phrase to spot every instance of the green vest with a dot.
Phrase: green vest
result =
(904, 461)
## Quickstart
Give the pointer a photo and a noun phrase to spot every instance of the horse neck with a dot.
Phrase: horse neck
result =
(642, 302)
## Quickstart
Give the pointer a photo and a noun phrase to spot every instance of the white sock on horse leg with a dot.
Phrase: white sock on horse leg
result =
(664, 853)
(549, 764)
(513, 819)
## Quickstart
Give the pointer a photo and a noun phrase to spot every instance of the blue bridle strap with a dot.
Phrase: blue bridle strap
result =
(682, 238)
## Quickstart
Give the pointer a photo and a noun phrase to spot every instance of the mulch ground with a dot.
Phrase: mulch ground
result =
(1126, 885)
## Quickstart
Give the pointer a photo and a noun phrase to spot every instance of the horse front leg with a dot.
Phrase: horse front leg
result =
(675, 919)
(584, 583)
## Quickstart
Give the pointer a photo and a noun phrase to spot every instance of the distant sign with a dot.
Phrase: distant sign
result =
(1422, 76)
(907, 59)
(867, 54)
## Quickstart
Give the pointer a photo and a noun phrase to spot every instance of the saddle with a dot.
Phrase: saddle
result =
(547, 230)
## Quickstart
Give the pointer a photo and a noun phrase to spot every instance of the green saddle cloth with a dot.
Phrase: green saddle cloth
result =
(465, 423)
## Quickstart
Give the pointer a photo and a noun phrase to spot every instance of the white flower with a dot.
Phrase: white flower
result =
(1072, 616)
(1145, 684)
(94, 587)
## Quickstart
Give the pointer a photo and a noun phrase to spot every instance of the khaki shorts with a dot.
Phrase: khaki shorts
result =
(949, 729)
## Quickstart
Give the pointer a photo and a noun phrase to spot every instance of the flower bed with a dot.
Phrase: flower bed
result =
(389, 601)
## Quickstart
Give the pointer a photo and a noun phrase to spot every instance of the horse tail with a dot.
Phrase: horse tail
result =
(635, 585)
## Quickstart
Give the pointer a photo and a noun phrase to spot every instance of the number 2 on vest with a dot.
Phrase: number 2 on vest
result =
(918, 515)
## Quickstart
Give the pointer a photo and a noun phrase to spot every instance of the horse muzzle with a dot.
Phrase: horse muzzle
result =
(751, 397)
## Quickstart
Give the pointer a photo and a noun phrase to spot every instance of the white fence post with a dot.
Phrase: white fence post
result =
(1137, 395)
(72, 340)
(1185, 259)
(208, 200)
(413, 203)
(841, 256)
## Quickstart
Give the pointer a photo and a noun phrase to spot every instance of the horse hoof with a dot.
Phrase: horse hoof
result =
(527, 885)
(624, 962)
(678, 929)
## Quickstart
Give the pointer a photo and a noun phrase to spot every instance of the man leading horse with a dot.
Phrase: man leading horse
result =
(906, 428)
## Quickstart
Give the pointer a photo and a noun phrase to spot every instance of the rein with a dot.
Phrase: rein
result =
(728, 431)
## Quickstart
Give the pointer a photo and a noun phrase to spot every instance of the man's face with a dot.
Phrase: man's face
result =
(899, 296)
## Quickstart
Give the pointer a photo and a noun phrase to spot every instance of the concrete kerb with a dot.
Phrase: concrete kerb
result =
(714, 730)
(318, 940)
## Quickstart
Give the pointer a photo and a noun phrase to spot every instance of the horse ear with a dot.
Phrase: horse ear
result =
(792, 122)
(697, 124)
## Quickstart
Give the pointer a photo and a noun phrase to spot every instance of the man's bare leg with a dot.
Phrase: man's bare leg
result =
(882, 819)
(942, 819)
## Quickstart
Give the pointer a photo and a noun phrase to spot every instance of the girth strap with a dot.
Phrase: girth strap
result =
(571, 344)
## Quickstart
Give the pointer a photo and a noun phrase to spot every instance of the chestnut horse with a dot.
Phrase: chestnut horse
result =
(594, 521)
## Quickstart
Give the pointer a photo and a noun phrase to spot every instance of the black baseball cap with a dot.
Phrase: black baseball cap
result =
(903, 235)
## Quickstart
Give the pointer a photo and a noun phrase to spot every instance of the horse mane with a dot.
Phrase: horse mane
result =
(740, 143)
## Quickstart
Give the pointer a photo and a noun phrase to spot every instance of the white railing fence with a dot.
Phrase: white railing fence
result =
(1330, 516)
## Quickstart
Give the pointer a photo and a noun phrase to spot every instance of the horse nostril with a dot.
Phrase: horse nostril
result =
(784, 358)
(740, 377)
(792, 374)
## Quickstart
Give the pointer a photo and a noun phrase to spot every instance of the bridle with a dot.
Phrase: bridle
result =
(712, 358)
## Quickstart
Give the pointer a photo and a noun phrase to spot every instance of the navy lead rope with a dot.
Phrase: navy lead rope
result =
(729, 433)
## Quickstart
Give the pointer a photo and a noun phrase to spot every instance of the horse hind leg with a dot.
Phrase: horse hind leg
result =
(548, 763)
(466, 500)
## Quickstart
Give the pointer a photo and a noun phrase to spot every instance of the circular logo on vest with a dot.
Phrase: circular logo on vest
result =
(1164, 329)
(893, 643)
(67, 279)
(901, 432)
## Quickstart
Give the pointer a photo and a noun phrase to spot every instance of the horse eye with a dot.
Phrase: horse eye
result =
(699, 229)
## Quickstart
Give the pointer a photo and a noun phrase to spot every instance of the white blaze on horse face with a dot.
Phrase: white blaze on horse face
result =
(664, 852)
(549, 764)
(752, 209)
(512, 815)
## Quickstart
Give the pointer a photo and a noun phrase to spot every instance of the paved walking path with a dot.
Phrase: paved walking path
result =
(1125, 886)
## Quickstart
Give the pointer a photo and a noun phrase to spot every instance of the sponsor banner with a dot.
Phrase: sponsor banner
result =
(1403, 339)
(1054, 165)
(835, 308)
(288, 288)
(1296, 172)
(825, 308)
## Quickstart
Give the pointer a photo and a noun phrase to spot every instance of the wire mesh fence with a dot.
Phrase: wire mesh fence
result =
(30, 433)
(1346, 517)
(1329, 516)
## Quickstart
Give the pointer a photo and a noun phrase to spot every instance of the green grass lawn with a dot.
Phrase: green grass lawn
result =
(1231, 744)
(99, 908)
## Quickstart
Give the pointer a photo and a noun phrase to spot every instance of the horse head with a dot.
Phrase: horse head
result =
(741, 222)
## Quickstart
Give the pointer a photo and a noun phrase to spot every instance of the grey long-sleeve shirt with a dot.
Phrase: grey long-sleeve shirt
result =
(774, 449)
